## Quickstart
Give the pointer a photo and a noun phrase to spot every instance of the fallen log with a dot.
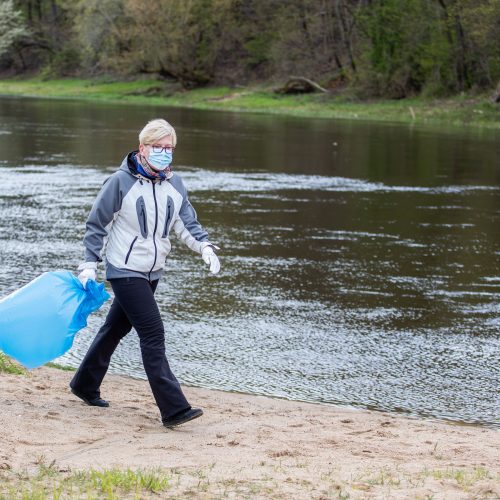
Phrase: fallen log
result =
(300, 85)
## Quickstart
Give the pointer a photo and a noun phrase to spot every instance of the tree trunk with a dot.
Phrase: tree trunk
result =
(39, 9)
(21, 58)
(345, 28)
(449, 35)
(463, 70)
(495, 98)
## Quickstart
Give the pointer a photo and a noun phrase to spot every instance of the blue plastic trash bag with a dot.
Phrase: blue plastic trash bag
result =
(39, 321)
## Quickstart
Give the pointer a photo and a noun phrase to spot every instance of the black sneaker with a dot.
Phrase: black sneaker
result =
(183, 417)
(90, 401)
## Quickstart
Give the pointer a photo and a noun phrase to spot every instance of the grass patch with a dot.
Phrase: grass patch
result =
(49, 481)
(7, 365)
(128, 480)
(461, 110)
(109, 483)
(57, 366)
(464, 478)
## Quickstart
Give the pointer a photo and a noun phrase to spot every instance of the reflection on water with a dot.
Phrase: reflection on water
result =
(344, 282)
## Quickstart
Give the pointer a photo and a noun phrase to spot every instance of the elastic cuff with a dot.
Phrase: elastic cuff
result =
(87, 265)
(206, 244)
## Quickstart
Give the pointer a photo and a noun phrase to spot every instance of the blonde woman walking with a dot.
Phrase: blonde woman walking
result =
(136, 209)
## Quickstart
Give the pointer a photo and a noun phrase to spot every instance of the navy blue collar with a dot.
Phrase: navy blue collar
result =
(141, 171)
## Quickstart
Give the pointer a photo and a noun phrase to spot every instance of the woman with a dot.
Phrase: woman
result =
(136, 209)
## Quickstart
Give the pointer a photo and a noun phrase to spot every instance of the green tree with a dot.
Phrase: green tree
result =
(48, 45)
(403, 47)
(177, 39)
(475, 28)
(12, 26)
(434, 46)
(251, 32)
(97, 26)
(316, 38)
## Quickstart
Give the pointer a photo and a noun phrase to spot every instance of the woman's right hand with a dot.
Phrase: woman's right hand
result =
(88, 272)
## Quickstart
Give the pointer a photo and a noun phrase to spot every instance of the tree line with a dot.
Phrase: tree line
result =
(389, 48)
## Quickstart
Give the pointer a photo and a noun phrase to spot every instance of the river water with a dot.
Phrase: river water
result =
(360, 261)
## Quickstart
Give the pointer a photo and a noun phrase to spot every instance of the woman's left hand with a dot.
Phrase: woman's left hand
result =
(211, 259)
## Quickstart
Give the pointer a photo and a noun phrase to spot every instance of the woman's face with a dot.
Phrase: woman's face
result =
(158, 155)
(165, 142)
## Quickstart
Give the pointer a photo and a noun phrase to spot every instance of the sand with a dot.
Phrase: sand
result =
(244, 446)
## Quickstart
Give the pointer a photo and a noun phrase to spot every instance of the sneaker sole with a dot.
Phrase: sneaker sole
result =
(85, 400)
(170, 426)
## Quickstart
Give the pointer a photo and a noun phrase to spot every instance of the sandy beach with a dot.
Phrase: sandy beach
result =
(244, 446)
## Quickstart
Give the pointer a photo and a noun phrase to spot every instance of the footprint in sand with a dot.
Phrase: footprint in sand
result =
(283, 453)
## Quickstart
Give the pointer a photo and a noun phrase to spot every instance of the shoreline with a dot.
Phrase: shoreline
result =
(341, 406)
(459, 111)
(244, 446)
(10, 366)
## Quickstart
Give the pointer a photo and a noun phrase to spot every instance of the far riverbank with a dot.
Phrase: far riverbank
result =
(464, 111)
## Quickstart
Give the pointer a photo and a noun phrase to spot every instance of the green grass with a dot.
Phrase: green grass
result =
(114, 483)
(463, 477)
(462, 111)
(50, 481)
(57, 366)
(128, 480)
(7, 365)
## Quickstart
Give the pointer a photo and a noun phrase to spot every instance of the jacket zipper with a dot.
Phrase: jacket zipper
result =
(167, 223)
(130, 249)
(143, 214)
(154, 231)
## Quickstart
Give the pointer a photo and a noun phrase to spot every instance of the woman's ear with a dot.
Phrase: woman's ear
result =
(141, 149)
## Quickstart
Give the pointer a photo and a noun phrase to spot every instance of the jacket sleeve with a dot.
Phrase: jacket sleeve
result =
(104, 210)
(186, 226)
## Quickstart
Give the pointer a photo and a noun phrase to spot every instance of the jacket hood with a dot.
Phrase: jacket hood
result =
(128, 164)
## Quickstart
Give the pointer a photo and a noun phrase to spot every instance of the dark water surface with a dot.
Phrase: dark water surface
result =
(360, 262)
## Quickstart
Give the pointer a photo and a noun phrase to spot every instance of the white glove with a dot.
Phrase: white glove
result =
(211, 259)
(88, 272)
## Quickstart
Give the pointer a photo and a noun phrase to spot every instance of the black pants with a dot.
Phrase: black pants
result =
(134, 306)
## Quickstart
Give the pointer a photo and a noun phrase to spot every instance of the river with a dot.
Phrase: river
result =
(360, 261)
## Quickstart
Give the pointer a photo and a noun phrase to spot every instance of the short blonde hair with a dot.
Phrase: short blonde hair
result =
(156, 130)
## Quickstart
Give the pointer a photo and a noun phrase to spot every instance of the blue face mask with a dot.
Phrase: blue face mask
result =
(161, 160)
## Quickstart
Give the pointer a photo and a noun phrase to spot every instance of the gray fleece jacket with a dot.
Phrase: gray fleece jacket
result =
(135, 215)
